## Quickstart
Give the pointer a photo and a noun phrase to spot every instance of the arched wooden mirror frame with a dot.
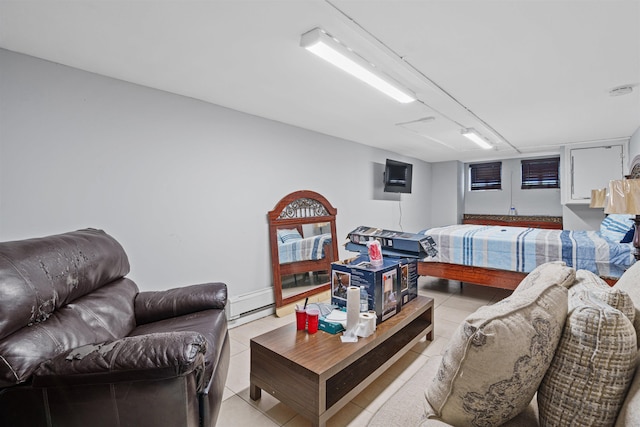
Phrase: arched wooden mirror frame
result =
(293, 211)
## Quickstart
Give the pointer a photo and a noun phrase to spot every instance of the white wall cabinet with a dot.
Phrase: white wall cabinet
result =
(591, 167)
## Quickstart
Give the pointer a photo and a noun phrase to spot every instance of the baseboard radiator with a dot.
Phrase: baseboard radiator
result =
(250, 304)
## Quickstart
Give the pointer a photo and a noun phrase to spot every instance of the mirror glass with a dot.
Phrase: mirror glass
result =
(293, 284)
(303, 246)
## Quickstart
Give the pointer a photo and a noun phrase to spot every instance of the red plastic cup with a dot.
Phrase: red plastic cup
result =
(301, 319)
(313, 317)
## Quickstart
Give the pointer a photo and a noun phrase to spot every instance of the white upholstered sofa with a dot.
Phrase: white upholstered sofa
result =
(562, 350)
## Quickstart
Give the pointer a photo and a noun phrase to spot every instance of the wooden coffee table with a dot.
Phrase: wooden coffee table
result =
(317, 374)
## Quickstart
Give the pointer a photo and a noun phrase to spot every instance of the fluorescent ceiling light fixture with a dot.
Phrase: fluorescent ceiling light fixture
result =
(474, 136)
(328, 48)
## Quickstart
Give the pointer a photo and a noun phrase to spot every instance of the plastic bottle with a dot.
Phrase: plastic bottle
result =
(364, 300)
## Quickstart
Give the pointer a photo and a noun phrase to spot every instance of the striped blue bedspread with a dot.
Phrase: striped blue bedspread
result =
(307, 249)
(523, 249)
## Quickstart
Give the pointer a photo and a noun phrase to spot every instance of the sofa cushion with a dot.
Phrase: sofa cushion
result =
(496, 359)
(629, 414)
(145, 357)
(212, 324)
(630, 283)
(104, 315)
(38, 276)
(598, 345)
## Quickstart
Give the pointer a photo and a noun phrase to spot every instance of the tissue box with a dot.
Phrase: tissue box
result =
(382, 284)
(408, 279)
(330, 327)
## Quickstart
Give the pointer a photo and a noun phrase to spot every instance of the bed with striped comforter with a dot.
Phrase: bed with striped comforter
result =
(523, 249)
(307, 249)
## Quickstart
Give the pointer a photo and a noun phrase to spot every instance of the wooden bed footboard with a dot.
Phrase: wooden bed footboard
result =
(478, 275)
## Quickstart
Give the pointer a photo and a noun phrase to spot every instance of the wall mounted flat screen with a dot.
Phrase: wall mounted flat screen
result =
(397, 177)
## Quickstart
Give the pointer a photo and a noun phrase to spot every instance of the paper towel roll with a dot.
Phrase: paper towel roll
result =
(366, 325)
(353, 307)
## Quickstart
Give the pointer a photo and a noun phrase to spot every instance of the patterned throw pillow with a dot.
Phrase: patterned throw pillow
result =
(587, 281)
(497, 358)
(554, 271)
(592, 368)
(288, 235)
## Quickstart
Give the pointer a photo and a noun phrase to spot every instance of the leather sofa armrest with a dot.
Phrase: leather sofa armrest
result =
(144, 357)
(158, 305)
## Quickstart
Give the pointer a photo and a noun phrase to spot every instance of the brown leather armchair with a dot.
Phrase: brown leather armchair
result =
(80, 345)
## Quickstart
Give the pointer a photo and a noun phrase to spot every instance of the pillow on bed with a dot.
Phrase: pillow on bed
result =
(289, 235)
(615, 226)
(628, 238)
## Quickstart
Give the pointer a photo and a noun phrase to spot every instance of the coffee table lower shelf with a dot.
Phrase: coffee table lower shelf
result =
(316, 375)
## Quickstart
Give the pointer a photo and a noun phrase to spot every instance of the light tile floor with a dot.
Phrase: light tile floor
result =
(453, 304)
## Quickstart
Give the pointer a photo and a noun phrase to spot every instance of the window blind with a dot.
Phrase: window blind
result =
(485, 176)
(541, 173)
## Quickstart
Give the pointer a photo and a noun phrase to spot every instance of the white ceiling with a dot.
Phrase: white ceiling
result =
(530, 75)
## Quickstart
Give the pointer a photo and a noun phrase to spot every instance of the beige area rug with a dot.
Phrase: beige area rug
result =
(406, 406)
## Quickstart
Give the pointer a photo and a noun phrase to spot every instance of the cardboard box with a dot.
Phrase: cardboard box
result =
(396, 243)
(382, 284)
(408, 279)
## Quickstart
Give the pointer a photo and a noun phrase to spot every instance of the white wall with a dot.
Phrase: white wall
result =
(527, 202)
(581, 217)
(447, 201)
(185, 186)
(634, 145)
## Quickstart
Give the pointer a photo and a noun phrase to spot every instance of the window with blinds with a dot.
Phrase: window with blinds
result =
(485, 176)
(541, 173)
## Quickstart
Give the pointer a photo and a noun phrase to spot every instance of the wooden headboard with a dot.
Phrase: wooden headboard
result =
(538, 221)
(634, 169)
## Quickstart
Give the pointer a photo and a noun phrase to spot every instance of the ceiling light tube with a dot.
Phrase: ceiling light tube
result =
(474, 136)
(328, 48)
